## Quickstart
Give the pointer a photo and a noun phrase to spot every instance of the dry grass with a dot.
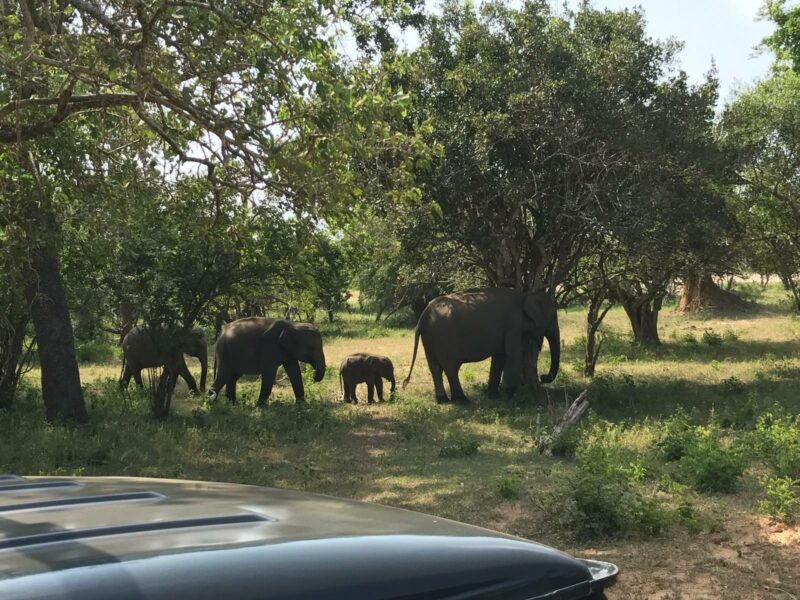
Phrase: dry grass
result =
(391, 453)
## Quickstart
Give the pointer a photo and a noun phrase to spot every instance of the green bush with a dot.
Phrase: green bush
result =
(712, 338)
(567, 443)
(602, 498)
(732, 386)
(689, 338)
(94, 351)
(708, 466)
(777, 441)
(509, 484)
(782, 501)
(677, 436)
(459, 444)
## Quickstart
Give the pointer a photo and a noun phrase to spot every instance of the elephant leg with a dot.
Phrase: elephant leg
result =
(353, 396)
(292, 368)
(137, 377)
(370, 391)
(438, 382)
(495, 372)
(456, 392)
(379, 388)
(230, 388)
(125, 378)
(183, 371)
(512, 371)
(267, 381)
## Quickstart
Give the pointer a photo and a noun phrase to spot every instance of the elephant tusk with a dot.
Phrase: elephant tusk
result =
(212, 395)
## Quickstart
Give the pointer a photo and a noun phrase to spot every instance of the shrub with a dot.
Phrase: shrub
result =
(602, 499)
(729, 336)
(712, 338)
(566, 444)
(732, 386)
(777, 441)
(509, 484)
(94, 351)
(709, 467)
(782, 501)
(678, 435)
(689, 338)
(459, 444)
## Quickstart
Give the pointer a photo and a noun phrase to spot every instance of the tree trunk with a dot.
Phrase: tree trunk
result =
(643, 315)
(61, 382)
(12, 354)
(594, 318)
(700, 292)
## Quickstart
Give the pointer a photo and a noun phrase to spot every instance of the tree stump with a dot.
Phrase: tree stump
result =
(571, 417)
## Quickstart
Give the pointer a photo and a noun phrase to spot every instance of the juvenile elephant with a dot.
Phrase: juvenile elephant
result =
(474, 325)
(143, 349)
(258, 346)
(365, 368)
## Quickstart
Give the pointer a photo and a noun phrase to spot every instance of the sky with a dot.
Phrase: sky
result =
(723, 31)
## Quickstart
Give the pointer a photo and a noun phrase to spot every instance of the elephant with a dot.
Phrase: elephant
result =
(365, 368)
(258, 346)
(143, 349)
(474, 325)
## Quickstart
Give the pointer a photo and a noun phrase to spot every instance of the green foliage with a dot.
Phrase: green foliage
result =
(509, 484)
(602, 498)
(759, 130)
(459, 443)
(782, 499)
(777, 441)
(677, 436)
(711, 338)
(709, 466)
(732, 386)
(94, 351)
(785, 41)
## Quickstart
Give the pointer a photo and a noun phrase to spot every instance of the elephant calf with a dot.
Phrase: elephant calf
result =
(365, 368)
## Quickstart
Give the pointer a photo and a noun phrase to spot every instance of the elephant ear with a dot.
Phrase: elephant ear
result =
(289, 340)
(277, 337)
(535, 308)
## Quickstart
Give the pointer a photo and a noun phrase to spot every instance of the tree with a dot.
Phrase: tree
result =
(252, 94)
(786, 39)
(560, 135)
(760, 129)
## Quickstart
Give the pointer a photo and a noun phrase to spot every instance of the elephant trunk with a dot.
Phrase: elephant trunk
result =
(318, 363)
(554, 341)
(203, 367)
(394, 384)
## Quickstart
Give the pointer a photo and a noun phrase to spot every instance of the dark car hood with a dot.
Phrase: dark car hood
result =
(154, 538)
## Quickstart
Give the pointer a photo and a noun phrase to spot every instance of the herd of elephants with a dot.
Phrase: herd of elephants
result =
(464, 327)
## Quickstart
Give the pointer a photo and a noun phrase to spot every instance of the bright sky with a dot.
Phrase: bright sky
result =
(723, 31)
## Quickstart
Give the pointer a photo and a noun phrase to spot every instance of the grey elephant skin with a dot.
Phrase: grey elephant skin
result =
(145, 349)
(474, 325)
(258, 346)
(365, 368)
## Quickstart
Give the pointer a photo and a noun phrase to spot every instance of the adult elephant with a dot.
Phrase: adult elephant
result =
(144, 349)
(258, 346)
(474, 325)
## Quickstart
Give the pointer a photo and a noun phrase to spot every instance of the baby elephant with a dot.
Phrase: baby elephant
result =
(365, 368)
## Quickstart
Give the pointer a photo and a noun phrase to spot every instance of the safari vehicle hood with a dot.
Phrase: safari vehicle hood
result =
(154, 538)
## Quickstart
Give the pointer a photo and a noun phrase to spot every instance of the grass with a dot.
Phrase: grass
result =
(642, 478)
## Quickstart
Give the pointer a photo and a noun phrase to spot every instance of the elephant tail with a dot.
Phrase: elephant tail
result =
(414, 356)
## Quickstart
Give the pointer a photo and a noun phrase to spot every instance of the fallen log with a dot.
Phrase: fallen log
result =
(571, 417)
